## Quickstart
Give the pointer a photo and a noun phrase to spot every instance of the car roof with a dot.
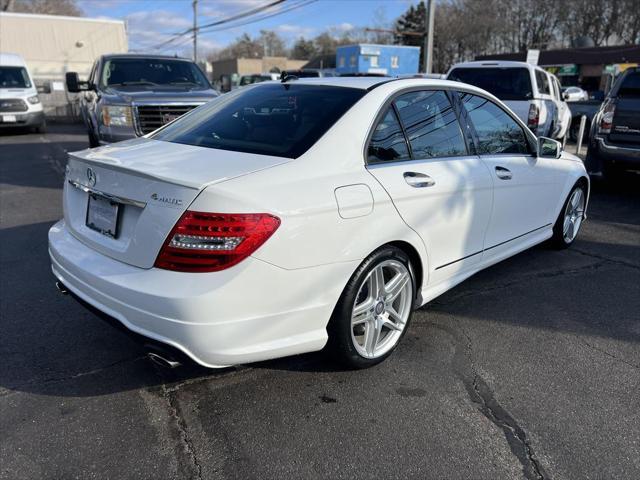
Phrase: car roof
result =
(110, 56)
(11, 60)
(495, 63)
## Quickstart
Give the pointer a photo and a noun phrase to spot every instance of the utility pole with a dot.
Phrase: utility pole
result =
(195, 31)
(428, 36)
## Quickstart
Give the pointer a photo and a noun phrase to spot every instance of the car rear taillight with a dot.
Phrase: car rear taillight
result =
(533, 118)
(210, 242)
(606, 120)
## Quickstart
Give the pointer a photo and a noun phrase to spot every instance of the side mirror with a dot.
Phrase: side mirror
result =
(225, 83)
(44, 88)
(566, 96)
(549, 148)
(74, 85)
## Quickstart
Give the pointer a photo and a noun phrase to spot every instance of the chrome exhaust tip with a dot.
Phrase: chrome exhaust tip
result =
(61, 288)
(163, 361)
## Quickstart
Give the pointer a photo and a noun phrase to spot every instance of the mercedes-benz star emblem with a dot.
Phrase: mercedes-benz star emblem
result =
(91, 176)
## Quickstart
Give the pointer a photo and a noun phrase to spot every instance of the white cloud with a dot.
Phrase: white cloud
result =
(157, 19)
(342, 27)
(295, 30)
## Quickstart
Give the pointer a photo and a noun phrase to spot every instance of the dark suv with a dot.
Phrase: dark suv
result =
(614, 140)
(131, 95)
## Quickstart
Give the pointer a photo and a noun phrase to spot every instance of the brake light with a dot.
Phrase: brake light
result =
(533, 118)
(210, 242)
(606, 120)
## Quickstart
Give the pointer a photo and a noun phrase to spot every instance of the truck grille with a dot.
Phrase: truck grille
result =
(13, 105)
(151, 117)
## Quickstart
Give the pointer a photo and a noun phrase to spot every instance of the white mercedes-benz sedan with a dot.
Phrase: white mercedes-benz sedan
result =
(289, 216)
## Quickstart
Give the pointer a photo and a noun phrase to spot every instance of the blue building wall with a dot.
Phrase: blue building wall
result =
(385, 59)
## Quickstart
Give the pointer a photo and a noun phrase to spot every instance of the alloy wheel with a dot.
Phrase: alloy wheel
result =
(381, 309)
(573, 215)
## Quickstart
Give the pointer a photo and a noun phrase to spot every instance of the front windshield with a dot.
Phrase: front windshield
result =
(268, 119)
(504, 83)
(14, 77)
(123, 72)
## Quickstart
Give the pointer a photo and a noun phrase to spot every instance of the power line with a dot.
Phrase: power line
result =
(232, 18)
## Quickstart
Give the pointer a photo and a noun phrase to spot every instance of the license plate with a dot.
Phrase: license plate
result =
(102, 215)
(9, 118)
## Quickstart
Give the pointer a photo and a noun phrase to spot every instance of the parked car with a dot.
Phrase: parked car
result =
(130, 95)
(20, 105)
(257, 78)
(614, 140)
(532, 93)
(574, 94)
(284, 219)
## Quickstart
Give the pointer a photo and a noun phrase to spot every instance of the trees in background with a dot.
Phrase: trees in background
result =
(48, 7)
(466, 28)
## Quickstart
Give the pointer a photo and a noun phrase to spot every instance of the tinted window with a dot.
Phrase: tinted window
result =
(431, 124)
(543, 82)
(152, 71)
(387, 143)
(504, 83)
(497, 131)
(630, 86)
(14, 77)
(268, 118)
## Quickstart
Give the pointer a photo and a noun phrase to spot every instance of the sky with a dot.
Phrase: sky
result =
(150, 23)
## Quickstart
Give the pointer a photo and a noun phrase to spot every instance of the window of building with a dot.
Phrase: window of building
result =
(395, 61)
(352, 61)
(341, 61)
(497, 131)
(431, 124)
(374, 60)
(388, 143)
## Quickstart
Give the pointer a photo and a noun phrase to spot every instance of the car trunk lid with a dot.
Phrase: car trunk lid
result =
(151, 184)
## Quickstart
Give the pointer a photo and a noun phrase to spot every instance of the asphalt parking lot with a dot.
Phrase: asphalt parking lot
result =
(530, 369)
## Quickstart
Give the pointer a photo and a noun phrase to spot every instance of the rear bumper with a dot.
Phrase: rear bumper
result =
(626, 156)
(251, 312)
(24, 119)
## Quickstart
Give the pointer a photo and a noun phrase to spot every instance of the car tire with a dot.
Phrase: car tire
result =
(570, 218)
(360, 331)
(42, 128)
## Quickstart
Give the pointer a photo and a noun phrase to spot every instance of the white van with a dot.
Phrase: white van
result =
(532, 93)
(19, 102)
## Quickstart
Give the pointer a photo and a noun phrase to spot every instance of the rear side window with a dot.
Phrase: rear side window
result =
(543, 82)
(630, 86)
(431, 124)
(504, 83)
(284, 120)
(497, 131)
(387, 142)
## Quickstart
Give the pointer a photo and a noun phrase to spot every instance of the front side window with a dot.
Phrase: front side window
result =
(123, 72)
(431, 124)
(268, 118)
(14, 77)
(387, 142)
(497, 131)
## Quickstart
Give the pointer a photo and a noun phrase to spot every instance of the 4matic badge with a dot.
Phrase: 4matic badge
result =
(169, 200)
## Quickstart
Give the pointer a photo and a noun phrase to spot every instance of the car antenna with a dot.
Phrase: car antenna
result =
(285, 77)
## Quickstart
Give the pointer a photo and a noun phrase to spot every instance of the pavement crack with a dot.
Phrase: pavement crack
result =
(52, 380)
(606, 259)
(608, 354)
(181, 425)
(481, 395)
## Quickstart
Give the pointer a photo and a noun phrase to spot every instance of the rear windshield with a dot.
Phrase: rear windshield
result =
(14, 77)
(630, 86)
(125, 72)
(504, 83)
(283, 120)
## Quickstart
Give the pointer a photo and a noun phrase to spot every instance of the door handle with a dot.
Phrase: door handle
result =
(504, 173)
(418, 180)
